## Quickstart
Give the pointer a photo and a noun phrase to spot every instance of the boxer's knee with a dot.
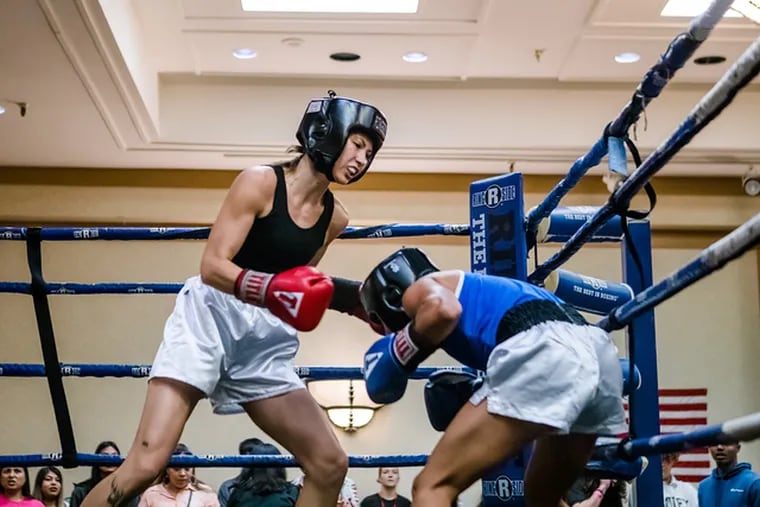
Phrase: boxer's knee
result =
(327, 468)
(426, 490)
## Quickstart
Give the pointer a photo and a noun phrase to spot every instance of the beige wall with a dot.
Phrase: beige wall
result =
(707, 336)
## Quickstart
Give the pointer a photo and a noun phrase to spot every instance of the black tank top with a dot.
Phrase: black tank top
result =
(275, 243)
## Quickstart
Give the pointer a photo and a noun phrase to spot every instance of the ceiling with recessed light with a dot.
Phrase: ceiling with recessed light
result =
(468, 85)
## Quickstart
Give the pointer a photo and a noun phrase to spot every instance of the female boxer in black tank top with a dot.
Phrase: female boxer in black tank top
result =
(262, 203)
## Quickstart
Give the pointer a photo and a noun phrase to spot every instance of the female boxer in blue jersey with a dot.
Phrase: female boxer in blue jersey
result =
(232, 334)
(550, 377)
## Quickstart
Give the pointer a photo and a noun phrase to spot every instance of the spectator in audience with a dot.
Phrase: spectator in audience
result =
(731, 484)
(592, 492)
(263, 486)
(674, 492)
(14, 488)
(245, 447)
(179, 487)
(97, 474)
(48, 486)
(348, 497)
(388, 478)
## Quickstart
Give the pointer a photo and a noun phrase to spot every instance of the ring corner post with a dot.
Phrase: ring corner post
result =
(497, 235)
(641, 338)
(498, 247)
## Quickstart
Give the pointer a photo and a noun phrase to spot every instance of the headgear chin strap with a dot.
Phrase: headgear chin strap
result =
(327, 123)
(382, 291)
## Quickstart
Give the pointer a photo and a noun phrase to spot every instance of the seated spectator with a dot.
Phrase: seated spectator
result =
(387, 496)
(48, 486)
(14, 488)
(592, 492)
(263, 487)
(179, 487)
(245, 447)
(97, 474)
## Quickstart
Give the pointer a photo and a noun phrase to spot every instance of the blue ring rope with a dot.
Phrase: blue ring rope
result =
(175, 233)
(742, 429)
(143, 370)
(209, 461)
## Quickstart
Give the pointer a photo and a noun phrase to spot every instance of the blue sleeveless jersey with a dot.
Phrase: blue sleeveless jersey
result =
(485, 300)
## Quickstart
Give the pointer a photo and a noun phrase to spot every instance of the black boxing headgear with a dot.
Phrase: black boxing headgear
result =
(383, 289)
(327, 123)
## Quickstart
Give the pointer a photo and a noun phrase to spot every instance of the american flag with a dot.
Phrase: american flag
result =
(685, 410)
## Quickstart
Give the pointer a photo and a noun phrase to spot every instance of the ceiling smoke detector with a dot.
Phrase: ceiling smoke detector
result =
(293, 42)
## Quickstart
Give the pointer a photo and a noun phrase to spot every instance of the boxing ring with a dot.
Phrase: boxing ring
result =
(501, 236)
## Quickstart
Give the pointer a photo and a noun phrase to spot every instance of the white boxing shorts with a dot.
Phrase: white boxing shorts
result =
(560, 374)
(232, 351)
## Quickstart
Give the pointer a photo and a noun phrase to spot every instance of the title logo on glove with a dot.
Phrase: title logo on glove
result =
(291, 301)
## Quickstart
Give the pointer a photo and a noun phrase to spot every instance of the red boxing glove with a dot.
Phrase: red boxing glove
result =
(298, 296)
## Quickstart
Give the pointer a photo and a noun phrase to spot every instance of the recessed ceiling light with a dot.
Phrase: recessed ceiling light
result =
(415, 57)
(627, 57)
(2, 109)
(345, 6)
(690, 8)
(244, 53)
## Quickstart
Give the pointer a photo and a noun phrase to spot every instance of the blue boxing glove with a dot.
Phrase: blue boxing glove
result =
(628, 386)
(384, 376)
(605, 462)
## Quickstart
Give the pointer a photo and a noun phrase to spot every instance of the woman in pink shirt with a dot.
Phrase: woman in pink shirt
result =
(14, 488)
(179, 488)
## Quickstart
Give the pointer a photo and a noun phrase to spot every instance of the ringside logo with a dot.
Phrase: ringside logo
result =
(86, 233)
(381, 233)
(140, 371)
(595, 283)
(494, 195)
(455, 228)
(504, 488)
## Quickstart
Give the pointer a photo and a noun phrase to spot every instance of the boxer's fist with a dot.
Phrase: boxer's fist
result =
(299, 296)
(384, 376)
(360, 313)
(346, 299)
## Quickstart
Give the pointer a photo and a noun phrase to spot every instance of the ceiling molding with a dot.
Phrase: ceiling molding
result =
(418, 182)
